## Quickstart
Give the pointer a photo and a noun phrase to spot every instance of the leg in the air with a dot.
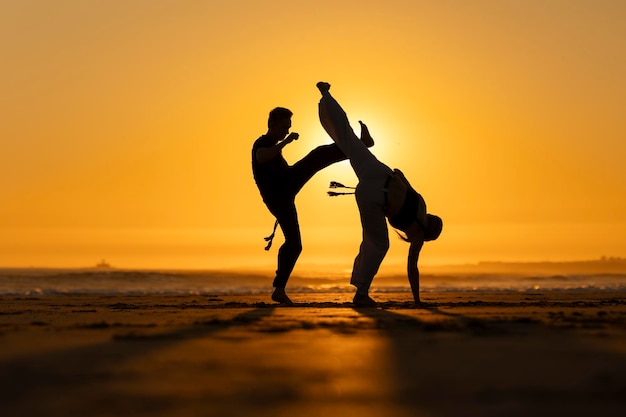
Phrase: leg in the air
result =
(366, 138)
(335, 121)
(318, 159)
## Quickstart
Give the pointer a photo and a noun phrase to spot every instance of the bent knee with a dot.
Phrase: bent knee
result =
(294, 245)
(379, 246)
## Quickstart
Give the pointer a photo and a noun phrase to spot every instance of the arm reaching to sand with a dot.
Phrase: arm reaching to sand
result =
(413, 270)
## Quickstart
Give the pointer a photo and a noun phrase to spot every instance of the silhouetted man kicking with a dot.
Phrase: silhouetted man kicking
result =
(279, 183)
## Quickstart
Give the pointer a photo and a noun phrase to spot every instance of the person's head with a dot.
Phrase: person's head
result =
(434, 226)
(279, 122)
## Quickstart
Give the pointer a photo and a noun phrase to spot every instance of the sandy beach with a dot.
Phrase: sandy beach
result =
(463, 354)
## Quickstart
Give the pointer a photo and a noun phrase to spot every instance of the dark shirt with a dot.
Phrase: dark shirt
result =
(413, 210)
(270, 177)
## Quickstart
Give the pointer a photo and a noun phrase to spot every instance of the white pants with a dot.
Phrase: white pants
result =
(370, 195)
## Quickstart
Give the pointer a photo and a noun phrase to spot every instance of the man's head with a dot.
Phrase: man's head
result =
(279, 122)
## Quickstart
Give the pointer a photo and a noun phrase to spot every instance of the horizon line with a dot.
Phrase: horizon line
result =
(605, 259)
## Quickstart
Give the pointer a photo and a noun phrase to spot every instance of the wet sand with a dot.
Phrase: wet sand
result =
(462, 354)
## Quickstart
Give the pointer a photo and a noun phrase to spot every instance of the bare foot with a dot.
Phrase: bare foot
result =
(363, 300)
(323, 87)
(280, 297)
(366, 138)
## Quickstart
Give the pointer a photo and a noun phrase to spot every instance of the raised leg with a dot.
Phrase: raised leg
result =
(366, 138)
(318, 159)
(335, 121)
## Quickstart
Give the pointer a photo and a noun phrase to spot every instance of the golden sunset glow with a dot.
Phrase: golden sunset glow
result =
(127, 126)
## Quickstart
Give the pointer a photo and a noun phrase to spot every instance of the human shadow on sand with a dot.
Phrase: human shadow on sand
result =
(44, 383)
(448, 364)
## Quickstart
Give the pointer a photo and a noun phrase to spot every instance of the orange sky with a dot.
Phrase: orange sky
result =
(126, 127)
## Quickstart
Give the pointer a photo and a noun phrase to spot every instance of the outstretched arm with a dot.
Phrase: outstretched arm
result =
(266, 154)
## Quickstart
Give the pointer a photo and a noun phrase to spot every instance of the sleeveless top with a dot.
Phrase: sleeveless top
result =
(413, 210)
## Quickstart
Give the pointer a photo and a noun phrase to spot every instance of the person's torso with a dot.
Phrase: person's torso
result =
(405, 206)
(269, 176)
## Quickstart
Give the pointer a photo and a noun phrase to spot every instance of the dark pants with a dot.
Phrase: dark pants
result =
(284, 207)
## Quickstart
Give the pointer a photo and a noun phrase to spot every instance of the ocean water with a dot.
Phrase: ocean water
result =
(31, 282)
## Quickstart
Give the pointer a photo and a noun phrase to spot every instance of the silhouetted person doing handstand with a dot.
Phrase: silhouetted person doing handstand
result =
(382, 194)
